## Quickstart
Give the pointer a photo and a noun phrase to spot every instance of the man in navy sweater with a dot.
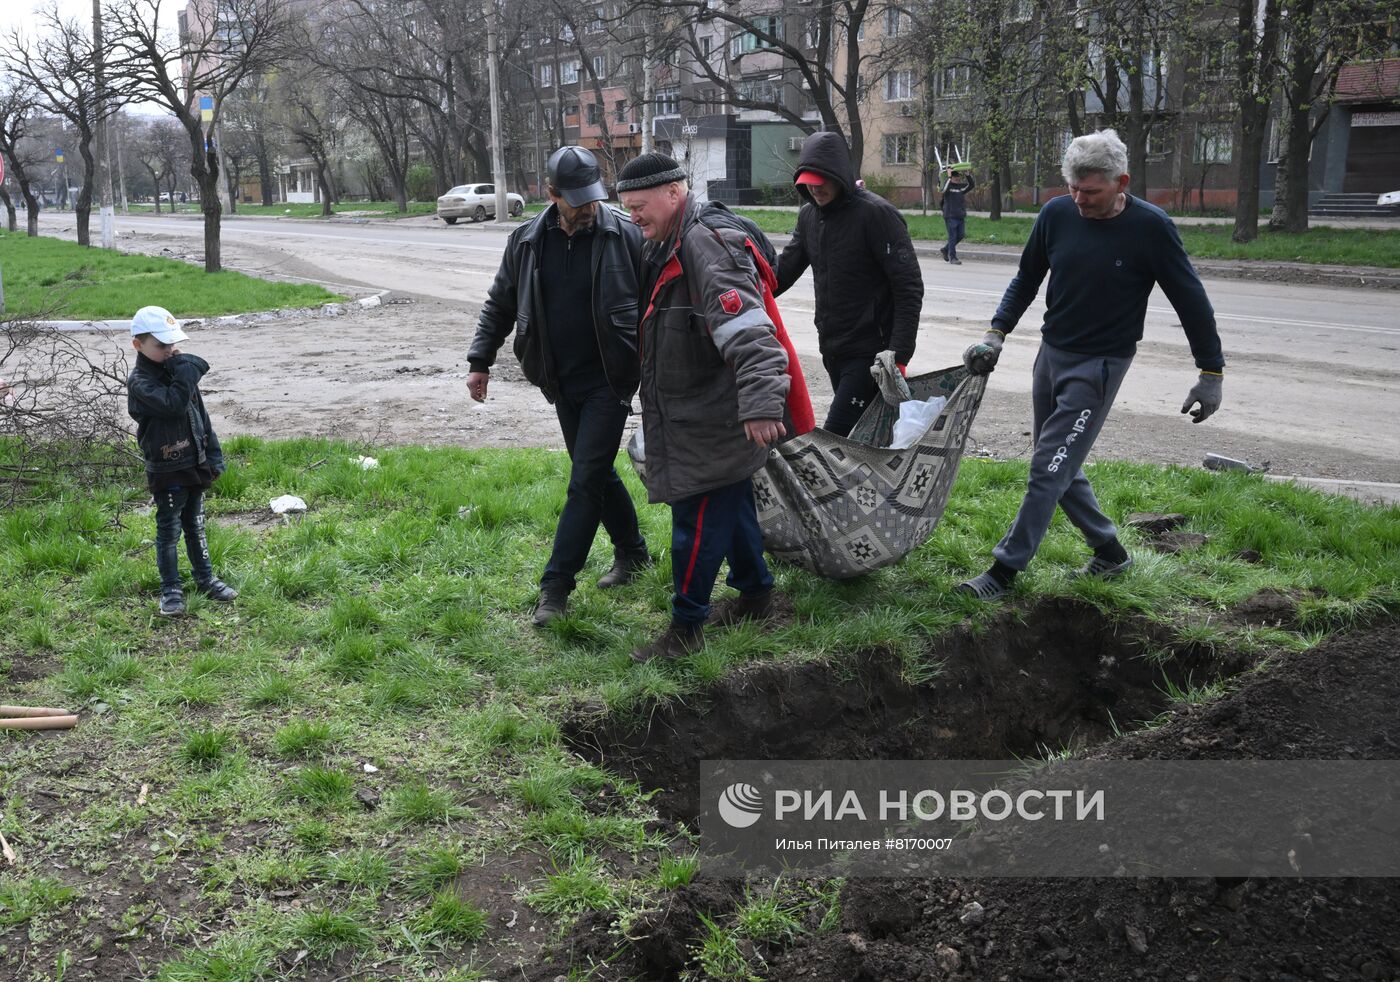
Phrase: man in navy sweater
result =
(1107, 249)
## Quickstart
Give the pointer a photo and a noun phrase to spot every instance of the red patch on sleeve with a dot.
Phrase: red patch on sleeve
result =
(731, 302)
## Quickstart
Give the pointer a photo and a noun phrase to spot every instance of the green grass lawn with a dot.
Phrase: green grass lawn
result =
(387, 209)
(65, 281)
(389, 626)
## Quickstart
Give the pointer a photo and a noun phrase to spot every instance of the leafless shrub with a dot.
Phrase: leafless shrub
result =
(62, 410)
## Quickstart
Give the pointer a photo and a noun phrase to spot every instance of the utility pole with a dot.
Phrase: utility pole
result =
(104, 160)
(648, 89)
(498, 157)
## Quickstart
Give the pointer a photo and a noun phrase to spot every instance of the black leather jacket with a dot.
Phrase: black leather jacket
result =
(172, 426)
(514, 303)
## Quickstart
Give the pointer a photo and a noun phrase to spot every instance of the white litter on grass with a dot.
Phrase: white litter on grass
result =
(366, 463)
(371, 769)
(285, 504)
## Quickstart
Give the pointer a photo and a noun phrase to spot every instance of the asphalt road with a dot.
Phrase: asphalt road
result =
(1313, 382)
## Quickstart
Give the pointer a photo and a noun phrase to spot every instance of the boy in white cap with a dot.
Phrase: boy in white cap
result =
(182, 453)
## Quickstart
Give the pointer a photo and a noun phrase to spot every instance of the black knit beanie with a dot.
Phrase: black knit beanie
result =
(648, 171)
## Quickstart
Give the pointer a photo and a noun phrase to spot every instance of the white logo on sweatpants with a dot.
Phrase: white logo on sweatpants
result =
(1077, 429)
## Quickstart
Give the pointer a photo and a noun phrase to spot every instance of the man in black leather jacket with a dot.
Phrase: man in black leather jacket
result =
(568, 288)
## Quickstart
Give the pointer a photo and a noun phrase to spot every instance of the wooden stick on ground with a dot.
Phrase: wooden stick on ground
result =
(6, 851)
(39, 723)
(30, 711)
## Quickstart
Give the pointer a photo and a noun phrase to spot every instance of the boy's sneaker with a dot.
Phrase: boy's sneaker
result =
(218, 590)
(172, 603)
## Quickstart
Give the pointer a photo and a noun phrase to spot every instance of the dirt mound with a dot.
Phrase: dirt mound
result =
(1022, 682)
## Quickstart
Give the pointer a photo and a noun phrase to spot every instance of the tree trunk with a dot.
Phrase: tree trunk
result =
(11, 219)
(994, 189)
(1291, 191)
(1254, 121)
(31, 206)
(83, 208)
(209, 204)
(155, 183)
(264, 171)
(323, 179)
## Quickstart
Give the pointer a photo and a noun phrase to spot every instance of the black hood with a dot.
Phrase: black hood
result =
(828, 155)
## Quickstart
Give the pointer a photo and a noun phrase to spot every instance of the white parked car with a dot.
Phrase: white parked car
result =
(475, 201)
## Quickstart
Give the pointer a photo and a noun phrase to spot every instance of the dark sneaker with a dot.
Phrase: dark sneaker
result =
(984, 587)
(735, 610)
(625, 567)
(674, 643)
(172, 603)
(943, 251)
(553, 604)
(1105, 569)
(218, 590)
(955, 261)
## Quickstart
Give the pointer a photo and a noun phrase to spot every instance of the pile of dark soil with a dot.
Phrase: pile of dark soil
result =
(1338, 701)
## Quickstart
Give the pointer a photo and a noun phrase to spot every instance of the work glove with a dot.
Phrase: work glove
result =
(1206, 391)
(982, 357)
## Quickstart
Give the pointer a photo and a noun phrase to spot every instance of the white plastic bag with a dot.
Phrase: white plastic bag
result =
(287, 504)
(915, 416)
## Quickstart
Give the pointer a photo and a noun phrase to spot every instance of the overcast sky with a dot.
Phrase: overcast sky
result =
(21, 14)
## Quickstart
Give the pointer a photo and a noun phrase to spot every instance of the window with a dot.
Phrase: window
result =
(705, 43)
(600, 66)
(549, 119)
(899, 85)
(1160, 140)
(546, 74)
(899, 149)
(896, 22)
(596, 25)
(1215, 143)
(953, 82)
(742, 44)
(620, 110)
(566, 34)
(668, 102)
(1215, 60)
(593, 114)
(530, 118)
(527, 160)
(757, 90)
(1020, 11)
(570, 113)
(568, 72)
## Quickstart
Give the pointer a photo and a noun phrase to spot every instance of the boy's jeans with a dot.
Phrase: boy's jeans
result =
(181, 509)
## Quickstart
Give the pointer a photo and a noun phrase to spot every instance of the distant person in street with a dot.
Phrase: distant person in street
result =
(869, 289)
(183, 456)
(567, 286)
(956, 185)
(1105, 250)
(714, 391)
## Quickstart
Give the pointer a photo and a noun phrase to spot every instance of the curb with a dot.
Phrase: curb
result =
(257, 316)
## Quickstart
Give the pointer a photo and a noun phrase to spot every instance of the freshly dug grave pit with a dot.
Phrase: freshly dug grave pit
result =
(1337, 701)
(1061, 676)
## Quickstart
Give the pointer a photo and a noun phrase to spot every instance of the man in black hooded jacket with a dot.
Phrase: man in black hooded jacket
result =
(866, 277)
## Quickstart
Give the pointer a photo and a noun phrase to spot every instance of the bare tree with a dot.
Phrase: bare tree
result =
(308, 104)
(813, 48)
(1255, 71)
(226, 42)
(1318, 40)
(17, 104)
(249, 120)
(57, 401)
(61, 68)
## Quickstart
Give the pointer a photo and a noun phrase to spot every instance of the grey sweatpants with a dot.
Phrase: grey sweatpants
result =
(1070, 397)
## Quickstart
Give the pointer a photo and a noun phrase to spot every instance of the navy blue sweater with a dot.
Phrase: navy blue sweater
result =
(1103, 272)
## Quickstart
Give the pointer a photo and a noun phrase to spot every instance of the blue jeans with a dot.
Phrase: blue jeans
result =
(706, 530)
(592, 423)
(957, 231)
(181, 510)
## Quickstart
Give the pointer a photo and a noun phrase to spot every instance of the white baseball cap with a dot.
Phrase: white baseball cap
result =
(159, 323)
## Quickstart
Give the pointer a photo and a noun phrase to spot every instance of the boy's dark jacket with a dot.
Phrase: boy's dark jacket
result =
(172, 426)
